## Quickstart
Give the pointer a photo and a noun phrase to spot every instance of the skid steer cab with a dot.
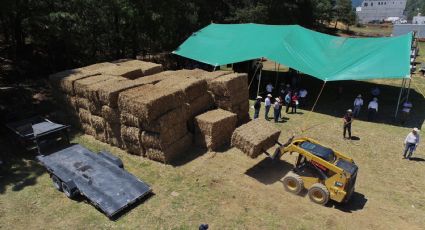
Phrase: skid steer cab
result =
(324, 172)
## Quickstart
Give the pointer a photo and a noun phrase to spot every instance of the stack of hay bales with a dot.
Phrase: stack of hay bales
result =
(214, 128)
(132, 69)
(255, 137)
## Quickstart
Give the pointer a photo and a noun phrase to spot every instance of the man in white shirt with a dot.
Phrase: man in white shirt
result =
(303, 96)
(267, 105)
(358, 103)
(405, 112)
(410, 143)
(269, 88)
(372, 109)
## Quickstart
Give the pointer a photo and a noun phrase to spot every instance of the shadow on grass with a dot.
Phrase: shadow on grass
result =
(356, 203)
(335, 104)
(191, 154)
(417, 159)
(268, 171)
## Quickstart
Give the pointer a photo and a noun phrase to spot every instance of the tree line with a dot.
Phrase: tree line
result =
(413, 7)
(51, 35)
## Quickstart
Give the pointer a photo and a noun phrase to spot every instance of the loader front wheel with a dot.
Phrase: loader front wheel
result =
(57, 183)
(319, 194)
(293, 183)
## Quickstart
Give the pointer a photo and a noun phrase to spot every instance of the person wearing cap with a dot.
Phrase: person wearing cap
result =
(358, 103)
(372, 109)
(348, 119)
(257, 107)
(411, 143)
(268, 104)
(276, 107)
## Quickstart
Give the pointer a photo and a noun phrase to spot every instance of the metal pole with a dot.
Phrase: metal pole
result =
(259, 83)
(408, 89)
(399, 97)
(215, 67)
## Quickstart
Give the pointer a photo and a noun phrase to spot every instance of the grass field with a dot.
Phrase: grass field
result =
(228, 190)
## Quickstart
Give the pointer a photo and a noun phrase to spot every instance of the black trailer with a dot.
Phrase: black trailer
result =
(40, 134)
(99, 177)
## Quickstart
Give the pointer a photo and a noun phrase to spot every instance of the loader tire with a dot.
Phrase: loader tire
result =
(69, 192)
(57, 183)
(293, 183)
(319, 194)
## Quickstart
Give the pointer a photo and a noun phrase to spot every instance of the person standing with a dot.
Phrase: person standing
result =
(288, 101)
(348, 119)
(280, 106)
(303, 96)
(269, 88)
(411, 143)
(372, 109)
(268, 104)
(257, 107)
(358, 103)
(294, 103)
(276, 107)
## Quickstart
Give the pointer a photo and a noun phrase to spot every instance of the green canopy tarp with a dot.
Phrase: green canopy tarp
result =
(323, 56)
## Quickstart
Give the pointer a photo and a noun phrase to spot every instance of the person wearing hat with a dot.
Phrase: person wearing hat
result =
(257, 107)
(294, 102)
(372, 109)
(276, 107)
(411, 143)
(348, 119)
(358, 103)
(268, 104)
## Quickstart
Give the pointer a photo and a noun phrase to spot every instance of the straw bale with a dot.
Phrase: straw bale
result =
(113, 132)
(214, 129)
(147, 68)
(128, 119)
(88, 129)
(101, 136)
(173, 152)
(84, 103)
(85, 116)
(229, 85)
(228, 101)
(210, 76)
(98, 123)
(255, 137)
(97, 67)
(92, 91)
(172, 118)
(124, 71)
(164, 139)
(110, 115)
(150, 102)
(64, 81)
(201, 104)
(81, 86)
(130, 134)
(191, 86)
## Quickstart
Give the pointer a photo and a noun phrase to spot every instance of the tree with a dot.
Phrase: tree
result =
(344, 13)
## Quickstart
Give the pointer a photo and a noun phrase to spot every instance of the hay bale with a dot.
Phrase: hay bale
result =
(85, 116)
(81, 86)
(149, 102)
(173, 152)
(214, 129)
(92, 91)
(88, 129)
(84, 103)
(98, 123)
(110, 115)
(97, 67)
(210, 76)
(191, 86)
(229, 85)
(164, 139)
(238, 97)
(101, 136)
(255, 137)
(172, 118)
(124, 71)
(128, 119)
(146, 68)
(130, 134)
(64, 81)
(201, 104)
(113, 133)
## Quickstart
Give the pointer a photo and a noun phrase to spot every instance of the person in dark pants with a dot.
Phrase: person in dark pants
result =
(348, 119)
(277, 109)
(267, 105)
(410, 143)
(257, 107)
(280, 106)
(372, 109)
(288, 101)
(294, 103)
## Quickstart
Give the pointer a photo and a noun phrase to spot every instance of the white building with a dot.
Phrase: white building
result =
(379, 10)
(418, 19)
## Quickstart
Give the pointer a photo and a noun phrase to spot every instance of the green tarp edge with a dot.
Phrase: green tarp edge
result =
(323, 56)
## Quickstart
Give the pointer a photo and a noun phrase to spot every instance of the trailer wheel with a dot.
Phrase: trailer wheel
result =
(70, 193)
(293, 183)
(57, 183)
(319, 194)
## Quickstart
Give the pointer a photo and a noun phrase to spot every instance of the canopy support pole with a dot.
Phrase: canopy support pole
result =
(259, 83)
(215, 67)
(253, 76)
(399, 97)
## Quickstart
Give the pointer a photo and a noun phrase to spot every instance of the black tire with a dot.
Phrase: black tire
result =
(293, 183)
(57, 183)
(319, 194)
(68, 191)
